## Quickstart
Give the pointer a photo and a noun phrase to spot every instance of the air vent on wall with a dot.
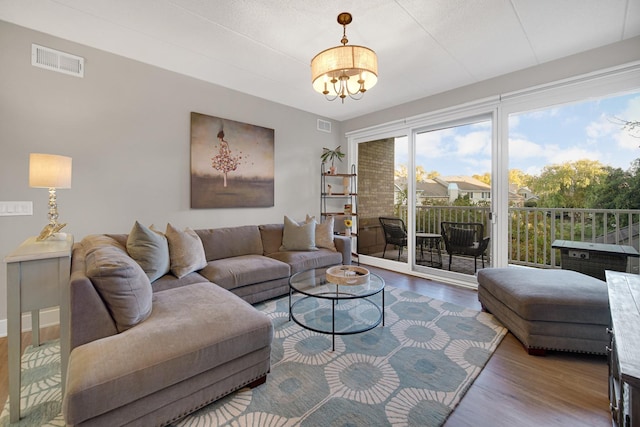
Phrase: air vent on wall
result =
(324, 126)
(55, 60)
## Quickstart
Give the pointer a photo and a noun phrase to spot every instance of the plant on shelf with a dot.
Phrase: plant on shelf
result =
(331, 155)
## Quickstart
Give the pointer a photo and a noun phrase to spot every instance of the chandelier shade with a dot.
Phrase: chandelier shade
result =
(343, 71)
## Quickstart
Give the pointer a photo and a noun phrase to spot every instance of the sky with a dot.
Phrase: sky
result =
(586, 130)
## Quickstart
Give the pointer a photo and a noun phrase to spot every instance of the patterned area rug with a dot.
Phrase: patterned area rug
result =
(411, 372)
(41, 398)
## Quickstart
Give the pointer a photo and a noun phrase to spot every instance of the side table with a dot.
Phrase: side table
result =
(37, 278)
(432, 241)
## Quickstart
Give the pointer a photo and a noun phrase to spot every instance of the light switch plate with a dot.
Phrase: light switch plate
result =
(16, 208)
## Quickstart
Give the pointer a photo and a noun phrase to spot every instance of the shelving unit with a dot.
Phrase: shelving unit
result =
(337, 191)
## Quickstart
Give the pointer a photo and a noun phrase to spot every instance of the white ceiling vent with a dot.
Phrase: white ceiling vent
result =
(324, 126)
(55, 60)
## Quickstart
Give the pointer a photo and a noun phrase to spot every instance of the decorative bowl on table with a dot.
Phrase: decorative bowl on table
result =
(350, 275)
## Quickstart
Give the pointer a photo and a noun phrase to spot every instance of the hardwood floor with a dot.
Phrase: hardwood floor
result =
(514, 389)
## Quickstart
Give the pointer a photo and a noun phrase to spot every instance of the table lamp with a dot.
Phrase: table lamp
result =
(50, 171)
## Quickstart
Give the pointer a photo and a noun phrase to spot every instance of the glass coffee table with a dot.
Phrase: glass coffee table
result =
(327, 308)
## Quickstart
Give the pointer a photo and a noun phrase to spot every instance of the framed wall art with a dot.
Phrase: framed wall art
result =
(232, 164)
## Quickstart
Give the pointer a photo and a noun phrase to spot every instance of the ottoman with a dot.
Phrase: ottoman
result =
(548, 309)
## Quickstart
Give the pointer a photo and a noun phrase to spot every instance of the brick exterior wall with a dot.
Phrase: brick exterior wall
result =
(375, 192)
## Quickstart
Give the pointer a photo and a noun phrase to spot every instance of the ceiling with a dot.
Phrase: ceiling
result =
(264, 47)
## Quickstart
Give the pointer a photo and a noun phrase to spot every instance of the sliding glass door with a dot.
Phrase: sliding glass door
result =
(452, 196)
(412, 185)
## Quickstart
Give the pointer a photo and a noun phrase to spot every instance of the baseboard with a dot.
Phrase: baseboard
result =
(48, 317)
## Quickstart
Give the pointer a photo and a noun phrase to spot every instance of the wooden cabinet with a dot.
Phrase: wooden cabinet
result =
(339, 199)
(623, 352)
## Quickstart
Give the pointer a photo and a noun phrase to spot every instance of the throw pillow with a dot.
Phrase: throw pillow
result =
(186, 252)
(298, 237)
(122, 284)
(324, 233)
(150, 250)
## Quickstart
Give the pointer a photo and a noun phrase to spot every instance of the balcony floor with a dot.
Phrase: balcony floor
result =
(459, 264)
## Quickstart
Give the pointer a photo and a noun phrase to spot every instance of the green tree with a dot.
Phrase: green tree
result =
(421, 174)
(485, 177)
(519, 178)
(401, 172)
(566, 185)
(618, 189)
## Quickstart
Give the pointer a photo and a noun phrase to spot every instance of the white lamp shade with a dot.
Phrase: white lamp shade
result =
(49, 171)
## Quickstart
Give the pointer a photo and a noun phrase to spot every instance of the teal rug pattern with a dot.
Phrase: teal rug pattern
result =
(40, 397)
(411, 372)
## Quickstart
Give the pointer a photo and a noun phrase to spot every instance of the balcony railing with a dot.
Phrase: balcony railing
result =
(533, 230)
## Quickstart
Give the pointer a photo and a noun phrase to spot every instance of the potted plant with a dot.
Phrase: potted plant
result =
(331, 155)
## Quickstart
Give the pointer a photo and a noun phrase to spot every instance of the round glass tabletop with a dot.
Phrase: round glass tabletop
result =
(314, 283)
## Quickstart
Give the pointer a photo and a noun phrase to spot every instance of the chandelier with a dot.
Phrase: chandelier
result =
(343, 71)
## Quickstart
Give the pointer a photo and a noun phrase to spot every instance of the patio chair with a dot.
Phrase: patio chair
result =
(395, 233)
(465, 238)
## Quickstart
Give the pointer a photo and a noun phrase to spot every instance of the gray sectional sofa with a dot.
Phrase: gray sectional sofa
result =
(161, 323)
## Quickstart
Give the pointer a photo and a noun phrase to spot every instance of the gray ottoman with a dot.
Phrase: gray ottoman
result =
(548, 309)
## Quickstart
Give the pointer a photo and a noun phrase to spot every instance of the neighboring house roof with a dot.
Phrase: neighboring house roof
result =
(432, 189)
(438, 187)
(465, 183)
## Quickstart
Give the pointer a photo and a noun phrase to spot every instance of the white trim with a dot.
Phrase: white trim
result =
(608, 77)
(449, 113)
(48, 317)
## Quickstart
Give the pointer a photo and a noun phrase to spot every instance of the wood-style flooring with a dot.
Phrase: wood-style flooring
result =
(514, 388)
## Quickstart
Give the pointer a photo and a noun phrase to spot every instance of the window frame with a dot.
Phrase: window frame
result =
(599, 84)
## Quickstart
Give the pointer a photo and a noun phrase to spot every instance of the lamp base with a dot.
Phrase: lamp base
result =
(49, 230)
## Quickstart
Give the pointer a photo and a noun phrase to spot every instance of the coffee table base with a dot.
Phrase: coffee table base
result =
(354, 314)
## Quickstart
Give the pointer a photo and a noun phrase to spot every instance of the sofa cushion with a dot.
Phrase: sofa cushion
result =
(324, 232)
(300, 261)
(185, 251)
(169, 281)
(234, 272)
(229, 242)
(150, 249)
(192, 330)
(95, 241)
(122, 284)
(298, 237)
(271, 235)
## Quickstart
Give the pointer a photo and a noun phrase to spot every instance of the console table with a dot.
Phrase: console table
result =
(37, 278)
(624, 358)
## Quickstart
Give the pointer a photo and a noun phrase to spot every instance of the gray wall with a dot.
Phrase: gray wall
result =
(127, 127)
